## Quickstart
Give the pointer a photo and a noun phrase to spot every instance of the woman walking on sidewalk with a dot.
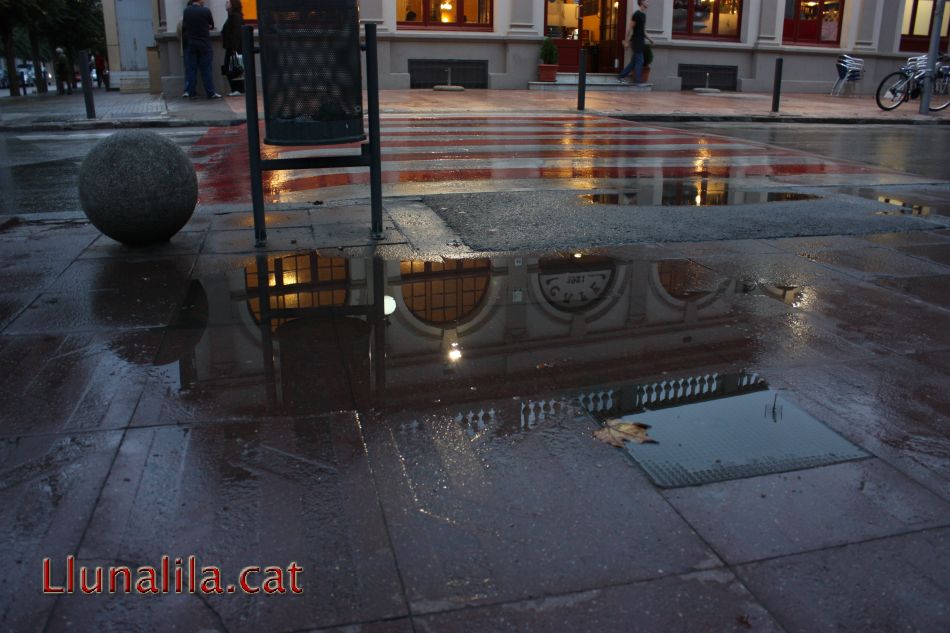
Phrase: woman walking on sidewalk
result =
(233, 67)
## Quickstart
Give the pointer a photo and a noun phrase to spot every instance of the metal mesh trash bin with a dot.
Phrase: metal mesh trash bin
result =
(310, 63)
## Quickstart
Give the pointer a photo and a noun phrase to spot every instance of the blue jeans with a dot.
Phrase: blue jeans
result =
(198, 57)
(636, 65)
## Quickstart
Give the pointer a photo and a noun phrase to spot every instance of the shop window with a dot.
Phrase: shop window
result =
(917, 25)
(466, 14)
(707, 18)
(813, 22)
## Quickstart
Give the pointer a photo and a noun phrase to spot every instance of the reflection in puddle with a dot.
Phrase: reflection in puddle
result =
(310, 333)
(904, 208)
(702, 194)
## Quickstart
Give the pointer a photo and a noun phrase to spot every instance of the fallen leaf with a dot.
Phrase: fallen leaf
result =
(616, 431)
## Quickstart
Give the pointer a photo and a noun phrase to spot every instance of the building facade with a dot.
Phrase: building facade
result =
(731, 44)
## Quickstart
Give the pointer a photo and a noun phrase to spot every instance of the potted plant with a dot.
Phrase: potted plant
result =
(647, 60)
(547, 69)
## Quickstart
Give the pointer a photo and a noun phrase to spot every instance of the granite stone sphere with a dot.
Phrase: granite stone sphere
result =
(138, 187)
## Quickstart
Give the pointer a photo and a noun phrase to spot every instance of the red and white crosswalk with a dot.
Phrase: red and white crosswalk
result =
(455, 154)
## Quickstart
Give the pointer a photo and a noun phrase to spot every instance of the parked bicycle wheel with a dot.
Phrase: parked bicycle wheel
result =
(940, 98)
(893, 91)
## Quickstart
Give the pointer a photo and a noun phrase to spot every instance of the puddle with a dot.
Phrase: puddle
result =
(310, 333)
(712, 427)
(905, 208)
(701, 194)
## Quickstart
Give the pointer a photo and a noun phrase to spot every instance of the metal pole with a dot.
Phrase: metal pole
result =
(932, 57)
(582, 79)
(777, 85)
(581, 59)
(253, 134)
(86, 83)
(375, 161)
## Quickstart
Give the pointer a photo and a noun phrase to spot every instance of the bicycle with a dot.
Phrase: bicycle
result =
(908, 83)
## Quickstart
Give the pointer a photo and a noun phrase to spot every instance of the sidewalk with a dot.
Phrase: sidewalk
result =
(116, 109)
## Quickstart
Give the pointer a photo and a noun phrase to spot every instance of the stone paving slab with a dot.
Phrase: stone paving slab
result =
(714, 598)
(880, 586)
(788, 513)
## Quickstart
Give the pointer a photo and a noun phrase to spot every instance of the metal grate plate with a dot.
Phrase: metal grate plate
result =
(731, 438)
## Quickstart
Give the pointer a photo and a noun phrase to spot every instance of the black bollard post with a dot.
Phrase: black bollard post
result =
(777, 86)
(253, 135)
(375, 162)
(582, 79)
(86, 84)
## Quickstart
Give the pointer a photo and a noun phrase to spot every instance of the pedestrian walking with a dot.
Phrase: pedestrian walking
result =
(102, 75)
(196, 25)
(64, 84)
(233, 67)
(636, 39)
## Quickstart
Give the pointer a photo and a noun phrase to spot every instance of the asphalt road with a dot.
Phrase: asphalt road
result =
(915, 149)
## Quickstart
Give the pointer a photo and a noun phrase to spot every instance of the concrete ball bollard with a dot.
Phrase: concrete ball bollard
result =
(138, 187)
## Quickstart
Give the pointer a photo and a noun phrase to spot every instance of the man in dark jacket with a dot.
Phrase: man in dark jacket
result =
(196, 25)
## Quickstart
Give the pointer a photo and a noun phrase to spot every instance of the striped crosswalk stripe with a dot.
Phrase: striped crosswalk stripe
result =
(478, 152)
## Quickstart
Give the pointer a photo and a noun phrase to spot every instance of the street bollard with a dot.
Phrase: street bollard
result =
(582, 80)
(777, 86)
(86, 84)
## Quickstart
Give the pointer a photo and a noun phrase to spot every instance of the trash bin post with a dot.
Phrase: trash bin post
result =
(311, 85)
(253, 134)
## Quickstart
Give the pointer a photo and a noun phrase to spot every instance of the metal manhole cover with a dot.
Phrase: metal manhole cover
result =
(734, 437)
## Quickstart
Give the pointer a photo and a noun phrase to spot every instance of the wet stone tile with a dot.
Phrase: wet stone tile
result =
(711, 600)
(96, 311)
(72, 382)
(893, 584)
(267, 493)
(142, 276)
(184, 242)
(278, 239)
(872, 314)
(777, 515)
(48, 489)
(244, 220)
(933, 288)
(797, 338)
(868, 263)
(939, 253)
(766, 272)
(12, 304)
(893, 407)
(512, 503)
(909, 238)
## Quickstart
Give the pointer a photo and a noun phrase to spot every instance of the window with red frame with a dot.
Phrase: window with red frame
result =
(917, 25)
(813, 22)
(710, 18)
(475, 14)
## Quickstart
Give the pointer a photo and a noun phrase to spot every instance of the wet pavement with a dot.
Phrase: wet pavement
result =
(411, 422)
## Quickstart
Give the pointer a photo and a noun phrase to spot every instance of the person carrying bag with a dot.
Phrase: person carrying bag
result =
(233, 67)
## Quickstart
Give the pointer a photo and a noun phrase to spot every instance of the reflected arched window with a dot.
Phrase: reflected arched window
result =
(294, 283)
(685, 279)
(446, 292)
(573, 283)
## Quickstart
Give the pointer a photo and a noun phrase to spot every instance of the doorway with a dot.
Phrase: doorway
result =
(600, 31)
